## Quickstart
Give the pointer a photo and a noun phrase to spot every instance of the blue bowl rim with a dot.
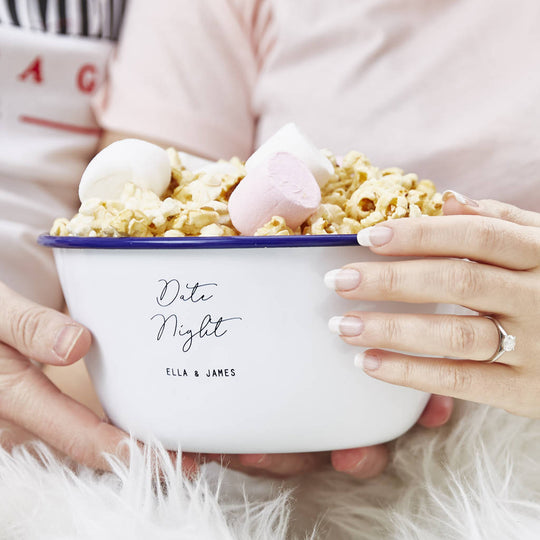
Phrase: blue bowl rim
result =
(197, 242)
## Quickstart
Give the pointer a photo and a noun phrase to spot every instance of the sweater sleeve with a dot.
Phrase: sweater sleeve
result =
(184, 74)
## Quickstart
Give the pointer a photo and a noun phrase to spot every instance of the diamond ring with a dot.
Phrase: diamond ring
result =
(507, 342)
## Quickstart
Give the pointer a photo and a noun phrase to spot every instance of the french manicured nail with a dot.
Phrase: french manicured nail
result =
(375, 236)
(66, 340)
(461, 199)
(367, 361)
(346, 326)
(342, 279)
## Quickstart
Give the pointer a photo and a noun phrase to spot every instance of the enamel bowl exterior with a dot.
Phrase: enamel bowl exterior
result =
(228, 350)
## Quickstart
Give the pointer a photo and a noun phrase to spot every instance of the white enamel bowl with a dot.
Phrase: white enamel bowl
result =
(222, 344)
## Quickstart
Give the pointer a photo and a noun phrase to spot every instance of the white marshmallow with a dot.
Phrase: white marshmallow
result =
(220, 168)
(129, 160)
(282, 185)
(290, 139)
(192, 162)
(198, 165)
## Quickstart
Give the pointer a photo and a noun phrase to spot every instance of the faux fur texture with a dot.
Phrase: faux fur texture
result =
(476, 478)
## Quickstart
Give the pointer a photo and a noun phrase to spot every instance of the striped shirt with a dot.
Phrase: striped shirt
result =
(91, 18)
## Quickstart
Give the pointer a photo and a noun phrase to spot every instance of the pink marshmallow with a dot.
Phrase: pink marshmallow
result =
(281, 185)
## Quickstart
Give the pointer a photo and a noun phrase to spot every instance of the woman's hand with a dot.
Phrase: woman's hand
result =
(29, 400)
(487, 260)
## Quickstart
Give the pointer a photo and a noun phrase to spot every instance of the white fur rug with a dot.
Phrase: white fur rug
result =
(476, 478)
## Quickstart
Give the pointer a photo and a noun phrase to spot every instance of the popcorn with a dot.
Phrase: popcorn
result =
(81, 225)
(369, 195)
(349, 226)
(275, 227)
(217, 230)
(355, 196)
(197, 220)
(60, 227)
(173, 233)
(325, 220)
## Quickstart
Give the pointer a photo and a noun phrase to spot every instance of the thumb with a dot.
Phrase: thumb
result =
(456, 203)
(40, 333)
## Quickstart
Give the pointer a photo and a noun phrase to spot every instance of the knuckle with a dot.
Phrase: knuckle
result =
(520, 395)
(14, 375)
(423, 233)
(488, 234)
(390, 330)
(388, 283)
(463, 336)
(308, 463)
(535, 242)
(79, 449)
(455, 378)
(464, 280)
(507, 212)
(535, 295)
(25, 326)
(406, 373)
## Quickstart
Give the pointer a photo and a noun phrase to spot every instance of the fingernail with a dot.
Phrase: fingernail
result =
(352, 461)
(256, 460)
(346, 326)
(66, 340)
(360, 463)
(367, 361)
(375, 236)
(263, 461)
(461, 199)
(342, 279)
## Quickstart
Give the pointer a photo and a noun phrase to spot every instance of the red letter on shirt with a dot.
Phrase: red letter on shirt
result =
(86, 78)
(33, 70)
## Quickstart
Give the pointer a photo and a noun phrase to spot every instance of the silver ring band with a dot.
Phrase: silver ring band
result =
(507, 342)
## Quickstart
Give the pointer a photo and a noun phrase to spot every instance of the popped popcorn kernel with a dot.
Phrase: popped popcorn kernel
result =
(356, 196)
(349, 226)
(275, 227)
(173, 233)
(212, 230)
(60, 227)
(326, 220)
(369, 195)
(197, 219)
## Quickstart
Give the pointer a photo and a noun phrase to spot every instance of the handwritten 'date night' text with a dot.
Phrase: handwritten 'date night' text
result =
(173, 293)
